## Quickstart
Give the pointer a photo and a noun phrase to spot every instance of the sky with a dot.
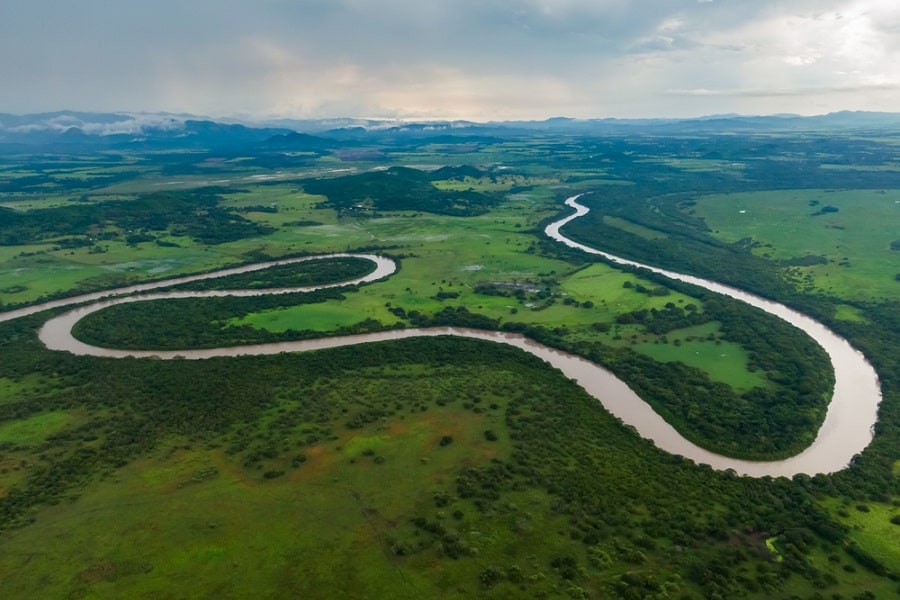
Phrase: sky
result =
(450, 59)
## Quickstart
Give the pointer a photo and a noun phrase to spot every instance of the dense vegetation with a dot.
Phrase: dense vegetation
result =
(296, 275)
(619, 528)
(184, 213)
(400, 188)
(197, 323)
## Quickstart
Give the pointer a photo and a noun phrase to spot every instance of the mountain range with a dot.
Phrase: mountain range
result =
(70, 130)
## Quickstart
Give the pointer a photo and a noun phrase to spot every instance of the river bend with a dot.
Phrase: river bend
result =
(846, 431)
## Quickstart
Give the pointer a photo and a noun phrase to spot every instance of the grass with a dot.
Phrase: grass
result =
(606, 285)
(24, 269)
(326, 316)
(723, 361)
(855, 240)
(701, 165)
(851, 579)
(845, 312)
(35, 429)
(53, 271)
(11, 390)
(27, 203)
(871, 529)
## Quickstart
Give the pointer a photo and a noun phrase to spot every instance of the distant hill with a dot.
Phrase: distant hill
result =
(297, 141)
(72, 131)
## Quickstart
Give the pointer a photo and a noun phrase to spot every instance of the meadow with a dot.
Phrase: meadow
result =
(834, 241)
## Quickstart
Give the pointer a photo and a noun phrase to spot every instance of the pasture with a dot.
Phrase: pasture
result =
(849, 232)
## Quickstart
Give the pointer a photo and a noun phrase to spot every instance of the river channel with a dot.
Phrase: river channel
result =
(846, 431)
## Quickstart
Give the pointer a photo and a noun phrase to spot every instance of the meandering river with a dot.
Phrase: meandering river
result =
(846, 431)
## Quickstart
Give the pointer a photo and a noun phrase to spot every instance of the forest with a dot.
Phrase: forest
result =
(195, 214)
(401, 188)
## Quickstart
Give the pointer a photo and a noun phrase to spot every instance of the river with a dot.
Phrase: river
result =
(846, 431)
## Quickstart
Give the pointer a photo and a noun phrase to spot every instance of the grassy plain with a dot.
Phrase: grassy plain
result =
(315, 317)
(854, 239)
(871, 528)
(33, 430)
(725, 362)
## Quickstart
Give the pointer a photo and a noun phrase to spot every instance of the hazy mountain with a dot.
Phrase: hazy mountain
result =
(69, 130)
(297, 141)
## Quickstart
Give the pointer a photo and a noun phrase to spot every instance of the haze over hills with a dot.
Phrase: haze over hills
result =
(68, 130)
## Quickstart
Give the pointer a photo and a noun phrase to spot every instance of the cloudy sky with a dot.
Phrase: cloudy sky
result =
(466, 59)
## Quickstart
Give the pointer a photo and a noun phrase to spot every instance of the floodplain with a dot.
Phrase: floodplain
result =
(443, 468)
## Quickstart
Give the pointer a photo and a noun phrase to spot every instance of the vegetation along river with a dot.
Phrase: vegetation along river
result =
(846, 431)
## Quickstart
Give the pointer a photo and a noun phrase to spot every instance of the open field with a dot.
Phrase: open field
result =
(725, 362)
(494, 184)
(872, 528)
(445, 254)
(849, 231)
(639, 230)
(36, 429)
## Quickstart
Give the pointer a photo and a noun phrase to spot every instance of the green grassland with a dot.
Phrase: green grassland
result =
(701, 165)
(854, 240)
(452, 269)
(723, 361)
(338, 523)
(32, 430)
(314, 317)
(45, 271)
(872, 529)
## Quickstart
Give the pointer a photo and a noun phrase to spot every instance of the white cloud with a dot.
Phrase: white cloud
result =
(124, 124)
(470, 58)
